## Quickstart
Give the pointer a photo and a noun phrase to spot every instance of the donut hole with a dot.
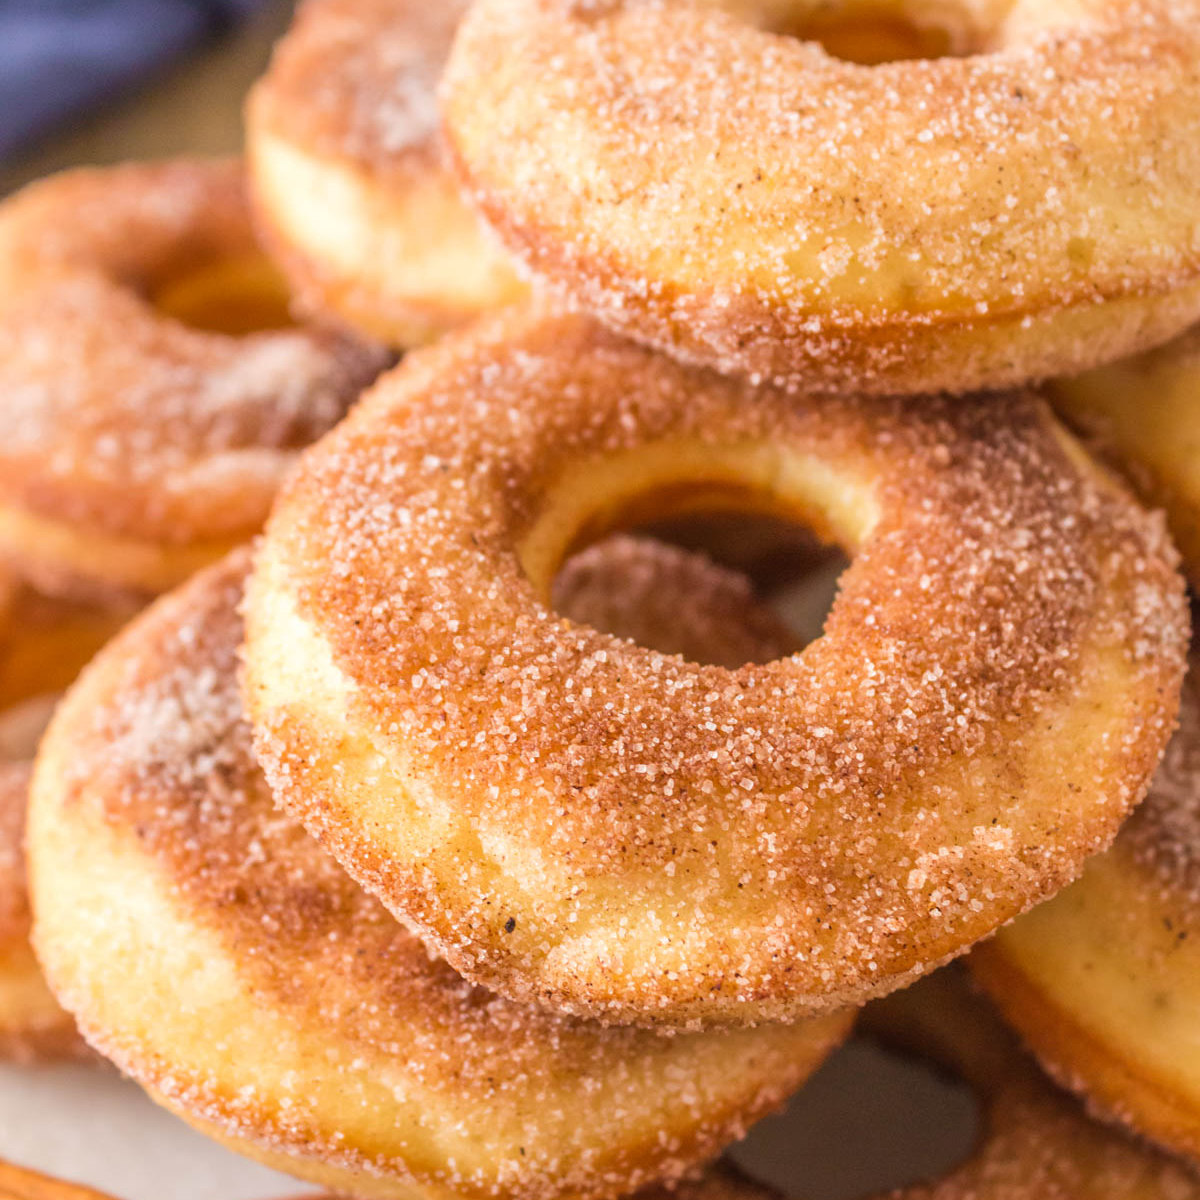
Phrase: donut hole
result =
(891, 1121)
(233, 296)
(721, 589)
(874, 40)
(872, 32)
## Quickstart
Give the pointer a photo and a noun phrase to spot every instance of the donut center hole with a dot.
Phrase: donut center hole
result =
(870, 33)
(720, 588)
(869, 1121)
(234, 297)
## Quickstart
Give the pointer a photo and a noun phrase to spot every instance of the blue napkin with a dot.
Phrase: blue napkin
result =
(60, 58)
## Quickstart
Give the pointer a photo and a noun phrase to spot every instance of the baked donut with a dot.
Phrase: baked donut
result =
(33, 1027)
(574, 820)
(1103, 982)
(1142, 415)
(706, 177)
(347, 171)
(210, 948)
(43, 644)
(1034, 1141)
(149, 407)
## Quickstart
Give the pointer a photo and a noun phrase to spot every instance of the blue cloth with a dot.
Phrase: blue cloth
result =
(61, 58)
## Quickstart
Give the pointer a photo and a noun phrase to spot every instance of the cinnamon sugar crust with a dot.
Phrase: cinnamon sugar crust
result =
(1103, 980)
(220, 957)
(352, 190)
(1020, 207)
(136, 447)
(578, 821)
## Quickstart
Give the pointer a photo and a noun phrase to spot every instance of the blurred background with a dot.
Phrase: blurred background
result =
(95, 81)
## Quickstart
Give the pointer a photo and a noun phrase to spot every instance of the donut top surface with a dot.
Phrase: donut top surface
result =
(822, 173)
(712, 184)
(820, 808)
(119, 417)
(357, 79)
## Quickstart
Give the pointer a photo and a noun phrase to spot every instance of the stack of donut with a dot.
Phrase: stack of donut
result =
(441, 831)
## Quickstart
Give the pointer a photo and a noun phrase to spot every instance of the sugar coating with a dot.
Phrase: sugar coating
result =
(121, 420)
(349, 179)
(357, 79)
(584, 822)
(540, 1104)
(1021, 208)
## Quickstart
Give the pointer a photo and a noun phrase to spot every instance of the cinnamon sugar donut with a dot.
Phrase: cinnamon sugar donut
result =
(136, 445)
(1035, 1142)
(211, 949)
(1023, 206)
(575, 820)
(1104, 981)
(348, 174)
(1143, 416)
(43, 644)
(33, 1027)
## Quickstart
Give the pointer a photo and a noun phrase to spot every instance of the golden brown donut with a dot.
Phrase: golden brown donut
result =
(33, 1027)
(346, 166)
(1142, 415)
(43, 644)
(1035, 1142)
(581, 822)
(1104, 981)
(209, 947)
(138, 438)
(703, 175)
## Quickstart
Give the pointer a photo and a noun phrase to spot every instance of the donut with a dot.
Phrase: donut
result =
(577, 821)
(709, 178)
(1034, 1142)
(151, 403)
(43, 644)
(33, 1027)
(1102, 982)
(213, 951)
(1142, 415)
(348, 175)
